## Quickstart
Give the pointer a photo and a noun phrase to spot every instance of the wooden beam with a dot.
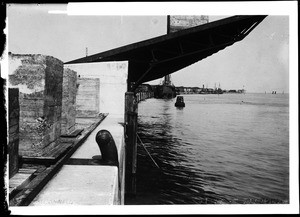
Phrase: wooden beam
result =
(131, 145)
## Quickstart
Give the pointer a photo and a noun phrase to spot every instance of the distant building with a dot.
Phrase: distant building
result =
(196, 89)
(144, 88)
(210, 90)
(180, 89)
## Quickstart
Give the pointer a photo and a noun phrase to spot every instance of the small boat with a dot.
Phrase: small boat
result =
(179, 102)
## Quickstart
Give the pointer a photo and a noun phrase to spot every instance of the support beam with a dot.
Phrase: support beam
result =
(164, 51)
(159, 56)
(195, 43)
(250, 29)
(140, 79)
(192, 53)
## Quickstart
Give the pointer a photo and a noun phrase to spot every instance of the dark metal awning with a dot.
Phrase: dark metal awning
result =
(154, 58)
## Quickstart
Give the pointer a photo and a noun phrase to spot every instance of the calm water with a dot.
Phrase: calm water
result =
(230, 148)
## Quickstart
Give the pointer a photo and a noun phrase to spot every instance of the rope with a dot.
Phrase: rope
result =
(147, 151)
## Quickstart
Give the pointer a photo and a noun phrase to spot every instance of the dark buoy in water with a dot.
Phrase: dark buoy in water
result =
(107, 147)
(179, 102)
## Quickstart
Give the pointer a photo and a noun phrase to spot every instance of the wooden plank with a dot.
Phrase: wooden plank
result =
(75, 133)
(131, 146)
(57, 150)
(92, 162)
(26, 170)
(21, 199)
(20, 179)
(25, 197)
(49, 157)
(33, 166)
(61, 152)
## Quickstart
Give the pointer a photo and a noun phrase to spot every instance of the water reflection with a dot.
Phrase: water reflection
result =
(211, 152)
(165, 185)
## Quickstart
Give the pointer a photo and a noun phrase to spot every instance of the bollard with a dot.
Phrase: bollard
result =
(107, 147)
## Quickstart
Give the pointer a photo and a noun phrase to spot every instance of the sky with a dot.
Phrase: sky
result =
(259, 63)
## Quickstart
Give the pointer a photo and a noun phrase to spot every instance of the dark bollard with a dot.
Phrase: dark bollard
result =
(107, 147)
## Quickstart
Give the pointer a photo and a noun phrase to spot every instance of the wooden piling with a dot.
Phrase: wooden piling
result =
(131, 145)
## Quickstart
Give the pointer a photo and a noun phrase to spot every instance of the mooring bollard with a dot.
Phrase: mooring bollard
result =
(107, 147)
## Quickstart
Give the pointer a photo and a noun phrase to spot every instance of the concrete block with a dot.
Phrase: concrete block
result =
(113, 83)
(68, 110)
(39, 79)
(87, 98)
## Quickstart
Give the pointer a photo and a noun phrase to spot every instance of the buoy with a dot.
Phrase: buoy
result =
(179, 102)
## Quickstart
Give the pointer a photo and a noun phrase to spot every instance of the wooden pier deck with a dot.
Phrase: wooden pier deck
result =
(35, 173)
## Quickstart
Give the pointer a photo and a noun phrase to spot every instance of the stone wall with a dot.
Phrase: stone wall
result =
(13, 134)
(68, 115)
(87, 99)
(39, 79)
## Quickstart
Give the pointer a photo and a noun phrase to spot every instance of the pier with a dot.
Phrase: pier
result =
(140, 96)
(57, 113)
(81, 181)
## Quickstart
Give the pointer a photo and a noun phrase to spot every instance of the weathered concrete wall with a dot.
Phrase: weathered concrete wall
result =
(69, 92)
(39, 79)
(113, 83)
(13, 122)
(87, 98)
(178, 22)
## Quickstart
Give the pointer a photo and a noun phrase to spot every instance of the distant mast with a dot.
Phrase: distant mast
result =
(167, 80)
(178, 22)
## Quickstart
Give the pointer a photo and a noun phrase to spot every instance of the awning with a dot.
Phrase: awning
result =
(154, 58)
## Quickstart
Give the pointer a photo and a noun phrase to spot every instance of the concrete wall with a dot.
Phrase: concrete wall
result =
(13, 134)
(113, 83)
(178, 22)
(39, 79)
(69, 92)
(88, 96)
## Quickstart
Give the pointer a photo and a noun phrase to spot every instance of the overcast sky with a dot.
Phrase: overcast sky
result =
(260, 62)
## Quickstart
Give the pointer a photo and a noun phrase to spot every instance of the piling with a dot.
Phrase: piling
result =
(131, 145)
(13, 130)
(131, 115)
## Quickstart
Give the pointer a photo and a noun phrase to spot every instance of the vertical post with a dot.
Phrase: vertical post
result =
(13, 130)
(131, 146)
(168, 23)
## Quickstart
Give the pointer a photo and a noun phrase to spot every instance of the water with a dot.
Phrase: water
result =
(228, 149)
